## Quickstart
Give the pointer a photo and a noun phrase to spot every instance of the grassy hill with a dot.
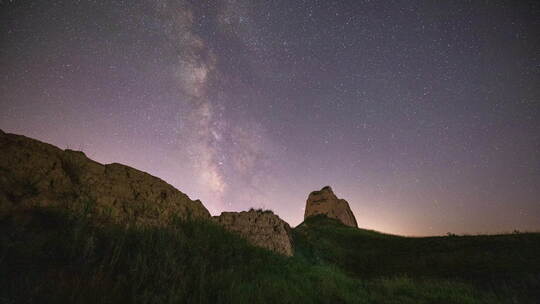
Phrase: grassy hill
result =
(506, 265)
(48, 255)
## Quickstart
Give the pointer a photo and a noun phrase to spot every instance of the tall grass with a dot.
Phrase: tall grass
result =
(506, 265)
(51, 256)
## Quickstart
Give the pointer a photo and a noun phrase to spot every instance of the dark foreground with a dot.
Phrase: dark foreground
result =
(51, 256)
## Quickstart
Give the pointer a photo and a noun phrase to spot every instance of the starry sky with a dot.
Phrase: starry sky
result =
(424, 115)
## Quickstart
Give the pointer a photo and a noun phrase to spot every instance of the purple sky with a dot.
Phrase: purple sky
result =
(423, 115)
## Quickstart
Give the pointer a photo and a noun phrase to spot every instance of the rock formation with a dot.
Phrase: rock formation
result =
(261, 228)
(39, 174)
(326, 202)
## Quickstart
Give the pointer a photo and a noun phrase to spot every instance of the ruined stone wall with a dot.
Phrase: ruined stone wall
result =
(326, 202)
(39, 174)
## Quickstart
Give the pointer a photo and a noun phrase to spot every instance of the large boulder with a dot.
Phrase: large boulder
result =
(260, 228)
(34, 174)
(326, 202)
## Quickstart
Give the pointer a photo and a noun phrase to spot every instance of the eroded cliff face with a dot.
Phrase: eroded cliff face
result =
(326, 202)
(261, 228)
(33, 173)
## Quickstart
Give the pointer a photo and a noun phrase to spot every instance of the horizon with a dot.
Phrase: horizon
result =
(414, 113)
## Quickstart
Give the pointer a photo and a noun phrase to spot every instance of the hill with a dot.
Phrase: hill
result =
(49, 255)
(76, 231)
(35, 173)
(506, 265)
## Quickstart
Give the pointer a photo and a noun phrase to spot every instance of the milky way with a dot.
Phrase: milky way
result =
(424, 116)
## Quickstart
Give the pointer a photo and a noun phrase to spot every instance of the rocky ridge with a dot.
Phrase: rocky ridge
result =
(35, 174)
(326, 202)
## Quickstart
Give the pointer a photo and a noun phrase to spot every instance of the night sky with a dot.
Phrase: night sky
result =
(423, 115)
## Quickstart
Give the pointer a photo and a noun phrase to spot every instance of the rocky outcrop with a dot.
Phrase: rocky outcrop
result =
(326, 202)
(39, 174)
(261, 228)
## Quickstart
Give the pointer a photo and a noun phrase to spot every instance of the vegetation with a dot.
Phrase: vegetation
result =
(261, 210)
(507, 266)
(50, 255)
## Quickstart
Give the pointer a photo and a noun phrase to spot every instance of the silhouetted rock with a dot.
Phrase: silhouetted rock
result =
(261, 228)
(326, 202)
(34, 173)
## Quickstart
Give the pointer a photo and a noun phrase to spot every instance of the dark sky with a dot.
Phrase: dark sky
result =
(423, 115)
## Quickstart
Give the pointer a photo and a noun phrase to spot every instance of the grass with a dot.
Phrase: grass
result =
(505, 265)
(50, 255)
